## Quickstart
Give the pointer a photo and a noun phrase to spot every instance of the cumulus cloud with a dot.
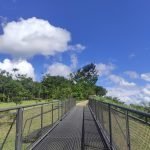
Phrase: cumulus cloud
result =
(104, 69)
(128, 92)
(121, 81)
(127, 95)
(146, 90)
(145, 76)
(23, 67)
(59, 69)
(132, 74)
(26, 38)
(132, 95)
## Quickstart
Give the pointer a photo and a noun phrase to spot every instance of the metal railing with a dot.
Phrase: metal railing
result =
(122, 128)
(22, 126)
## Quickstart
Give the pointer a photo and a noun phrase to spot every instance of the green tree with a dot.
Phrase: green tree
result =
(56, 87)
(87, 74)
(84, 80)
(100, 91)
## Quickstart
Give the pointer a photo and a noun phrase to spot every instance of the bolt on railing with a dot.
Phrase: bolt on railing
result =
(122, 128)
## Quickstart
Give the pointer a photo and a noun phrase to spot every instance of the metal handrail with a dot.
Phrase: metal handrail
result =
(25, 106)
(129, 109)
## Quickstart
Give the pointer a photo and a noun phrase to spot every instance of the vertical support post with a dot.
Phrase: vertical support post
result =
(69, 104)
(58, 110)
(52, 114)
(65, 106)
(82, 140)
(110, 126)
(41, 117)
(19, 123)
(95, 108)
(128, 131)
(102, 118)
(61, 108)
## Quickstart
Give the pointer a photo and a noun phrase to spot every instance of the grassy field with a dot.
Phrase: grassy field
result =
(31, 124)
(30, 102)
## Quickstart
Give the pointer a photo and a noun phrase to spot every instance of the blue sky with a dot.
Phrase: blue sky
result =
(115, 35)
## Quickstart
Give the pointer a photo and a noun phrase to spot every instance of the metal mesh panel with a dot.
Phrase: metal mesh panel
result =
(47, 115)
(119, 129)
(105, 116)
(139, 135)
(7, 129)
(123, 128)
(31, 124)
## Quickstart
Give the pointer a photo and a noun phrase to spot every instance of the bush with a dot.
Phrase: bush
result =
(3, 97)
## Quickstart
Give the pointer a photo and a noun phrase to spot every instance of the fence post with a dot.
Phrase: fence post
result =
(95, 107)
(102, 115)
(128, 131)
(65, 107)
(52, 114)
(42, 117)
(61, 109)
(19, 123)
(110, 126)
(58, 110)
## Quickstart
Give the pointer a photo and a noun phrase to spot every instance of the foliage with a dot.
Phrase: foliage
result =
(17, 87)
(87, 74)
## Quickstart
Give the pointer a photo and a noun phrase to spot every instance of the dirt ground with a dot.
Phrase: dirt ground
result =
(83, 103)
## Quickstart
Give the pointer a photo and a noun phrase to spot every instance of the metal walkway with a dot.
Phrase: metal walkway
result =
(93, 139)
(75, 132)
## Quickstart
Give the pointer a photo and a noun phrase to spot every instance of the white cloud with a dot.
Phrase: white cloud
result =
(59, 69)
(104, 69)
(146, 90)
(145, 76)
(74, 61)
(77, 47)
(23, 67)
(121, 81)
(132, 95)
(127, 95)
(132, 74)
(26, 38)
(128, 92)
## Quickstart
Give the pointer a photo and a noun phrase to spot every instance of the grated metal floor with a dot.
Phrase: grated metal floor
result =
(93, 139)
(68, 134)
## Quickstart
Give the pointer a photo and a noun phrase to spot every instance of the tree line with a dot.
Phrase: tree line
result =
(80, 84)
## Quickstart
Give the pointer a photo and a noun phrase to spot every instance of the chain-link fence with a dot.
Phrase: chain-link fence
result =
(123, 128)
(22, 126)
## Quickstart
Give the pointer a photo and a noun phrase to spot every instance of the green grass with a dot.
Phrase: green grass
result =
(29, 102)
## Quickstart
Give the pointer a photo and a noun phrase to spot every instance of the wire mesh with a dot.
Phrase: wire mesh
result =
(124, 129)
(7, 130)
(27, 125)
(139, 135)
